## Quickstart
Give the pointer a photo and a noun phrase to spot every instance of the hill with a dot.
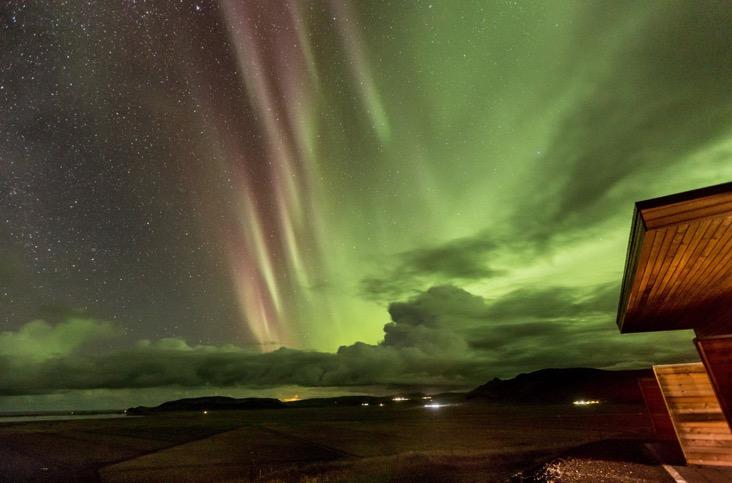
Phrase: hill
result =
(546, 386)
(558, 386)
(209, 403)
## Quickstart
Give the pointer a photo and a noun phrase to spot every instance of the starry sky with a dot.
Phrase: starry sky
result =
(310, 196)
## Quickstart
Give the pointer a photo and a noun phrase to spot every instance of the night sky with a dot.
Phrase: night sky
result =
(313, 197)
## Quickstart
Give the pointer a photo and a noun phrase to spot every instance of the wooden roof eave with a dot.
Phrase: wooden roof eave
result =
(653, 219)
(635, 242)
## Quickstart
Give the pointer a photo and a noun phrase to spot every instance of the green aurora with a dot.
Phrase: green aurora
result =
(462, 171)
(513, 140)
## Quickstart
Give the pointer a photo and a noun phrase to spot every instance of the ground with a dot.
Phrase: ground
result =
(469, 442)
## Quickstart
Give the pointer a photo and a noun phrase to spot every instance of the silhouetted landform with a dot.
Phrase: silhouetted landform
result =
(217, 403)
(559, 386)
(546, 386)
(403, 399)
(337, 401)
(209, 403)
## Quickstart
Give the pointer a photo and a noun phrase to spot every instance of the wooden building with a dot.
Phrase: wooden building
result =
(678, 275)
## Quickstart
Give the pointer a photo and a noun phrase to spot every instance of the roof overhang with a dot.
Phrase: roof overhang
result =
(678, 271)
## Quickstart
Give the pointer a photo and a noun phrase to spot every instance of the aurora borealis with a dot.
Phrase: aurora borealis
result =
(188, 187)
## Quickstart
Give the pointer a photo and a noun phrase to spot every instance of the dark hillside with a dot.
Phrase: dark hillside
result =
(556, 386)
(209, 403)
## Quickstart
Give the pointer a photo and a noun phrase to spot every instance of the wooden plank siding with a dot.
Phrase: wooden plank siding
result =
(660, 419)
(697, 418)
(678, 272)
(716, 354)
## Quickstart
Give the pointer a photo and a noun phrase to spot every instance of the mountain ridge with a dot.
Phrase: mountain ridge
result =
(545, 386)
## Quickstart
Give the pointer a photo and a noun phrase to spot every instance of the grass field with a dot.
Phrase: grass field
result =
(469, 442)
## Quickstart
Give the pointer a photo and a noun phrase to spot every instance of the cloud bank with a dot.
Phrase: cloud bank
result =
(443, 337)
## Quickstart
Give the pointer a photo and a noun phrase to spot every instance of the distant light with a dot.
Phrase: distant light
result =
(295, 397)
(381, 405)
(399, 398)
(205, 411)
(364, 404)
(433, 405)
(586, 402)
(427, 397)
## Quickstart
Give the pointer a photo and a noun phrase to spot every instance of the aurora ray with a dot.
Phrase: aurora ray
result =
(382, 188)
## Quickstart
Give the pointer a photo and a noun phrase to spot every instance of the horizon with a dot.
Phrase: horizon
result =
(301, 198)
(329, 393)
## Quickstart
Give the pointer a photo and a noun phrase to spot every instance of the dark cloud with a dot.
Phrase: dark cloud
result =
(457, 260)
(385, 288)
(663, 95)
(443, 337)
(460, 259)
(557, 303)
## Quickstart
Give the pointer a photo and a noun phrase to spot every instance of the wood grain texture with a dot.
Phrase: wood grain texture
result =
(662, 425)
(678, 272)
(716, 354)
(695, 413)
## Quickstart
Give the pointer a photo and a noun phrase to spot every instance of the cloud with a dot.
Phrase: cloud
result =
(457, 260)
(663, 95)
(557, 302)
(442, 337)
(418, 349)
(41, 341)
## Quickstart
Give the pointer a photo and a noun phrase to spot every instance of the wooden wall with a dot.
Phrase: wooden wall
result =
(716, 353)
(700, 426)
(662, 425)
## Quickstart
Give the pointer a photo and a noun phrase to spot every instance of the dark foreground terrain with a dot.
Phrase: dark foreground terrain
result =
(468, 442)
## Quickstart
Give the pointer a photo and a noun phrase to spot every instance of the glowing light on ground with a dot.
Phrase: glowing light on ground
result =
(584, 402)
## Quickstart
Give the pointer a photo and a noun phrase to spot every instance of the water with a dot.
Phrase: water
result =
(59, 417)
